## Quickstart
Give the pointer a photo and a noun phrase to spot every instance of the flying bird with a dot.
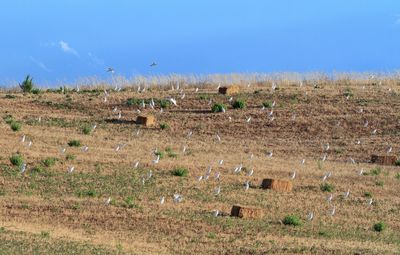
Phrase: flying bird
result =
(110, 70)
(153, 64)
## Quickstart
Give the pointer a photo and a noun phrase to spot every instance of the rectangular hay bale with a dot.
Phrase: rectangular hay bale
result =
(383, 159)
(147, 121)
(278, 185)
(229, 90)
(246, 212)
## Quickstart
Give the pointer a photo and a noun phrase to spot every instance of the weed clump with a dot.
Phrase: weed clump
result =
(239, 104)
(379, 227)
(218, 108)
(164, 126)
(16, 160)
(27, 84)
(182, 172)
(86, 129)
(15, 126)
(74, 143)
(292, 220)
(326, 187)
(48, 162)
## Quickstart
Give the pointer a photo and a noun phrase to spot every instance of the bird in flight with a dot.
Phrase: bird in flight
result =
(110, 70)
(153, 64)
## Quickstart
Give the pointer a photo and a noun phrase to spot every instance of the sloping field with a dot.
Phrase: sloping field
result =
(110, 203)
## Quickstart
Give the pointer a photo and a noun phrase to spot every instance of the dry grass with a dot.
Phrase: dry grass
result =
(51, 208)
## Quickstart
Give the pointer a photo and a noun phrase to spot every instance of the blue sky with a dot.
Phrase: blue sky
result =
(64, 40)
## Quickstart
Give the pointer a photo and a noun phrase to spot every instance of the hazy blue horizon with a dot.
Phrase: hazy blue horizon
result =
(66, 40)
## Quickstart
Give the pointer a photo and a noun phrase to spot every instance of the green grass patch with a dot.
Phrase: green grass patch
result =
(180, 171)
(218, 108)
(74, 143)
(16, 160)
(326, 187)
(239, 104)
(292, 220)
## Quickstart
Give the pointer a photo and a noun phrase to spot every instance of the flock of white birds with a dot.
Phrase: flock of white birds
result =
(177, 198)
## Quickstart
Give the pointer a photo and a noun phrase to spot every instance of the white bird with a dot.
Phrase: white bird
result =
(136, 164)
(62, 150)
(143, 180)
(370, 201)
(332, 211)
(293, 175)
(149, 174)
(248, 85)
(273, 87)
(310, 216)
(85, 148)
(329, 198)
(117, 148)
(209, 170)
(326, 147)
(172, 100)
(230, 99)
(223, 110)
(184, 149)
(23, 168)
(218, 138)
(217, 191)
(250, 173)
(366, 123)
(269, 154)
(183, 96)
(178, 198)
(389, 150)
(361, 172)
(40, 119)
(200, 178)
(190, 134)
(248, 119)
(251, 156)
(215, 213)
(162, 200)
(219, 85)
(303, 161)
(293, 117)
(352, 161)
(105, 100)
(217, 176)
(29, 144)
(94, 127)
(347, 194)
(247, 185)
(270, 113)
(358, 142)
(155, 161)
(197, 89)
(273, 104)
(374, 131)
(107, 202)
(220, 162)
(143, 104)
(23, 138)
(71, 169)
(230, 118)
(324, 157)
(119, 115)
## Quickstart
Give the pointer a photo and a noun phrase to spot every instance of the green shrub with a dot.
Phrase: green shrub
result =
(218, 108)
(27, 85)
(133, 101)
(15, 126)
(16, 160)
(9, 119)
(36, 91)
(130, 203)
(164, 126)
(49, 162)
(74, 143)
(379, 227)
(292, 220)
(348, 93)
(326, 187)
(70, 157)
(379, 183)
(180, 172)
(45, 234)
(267, 104)
(375, 171)
(397, 163)
(367, 194)
(87, 193)
(397, 176)
(37, 169)
(159, 153)
(164, 103)
(239, 104)
(86, 129)
(8, 96)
